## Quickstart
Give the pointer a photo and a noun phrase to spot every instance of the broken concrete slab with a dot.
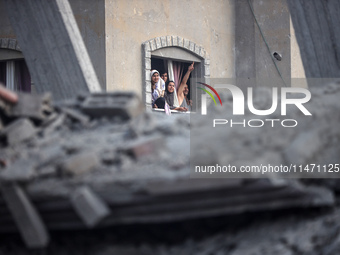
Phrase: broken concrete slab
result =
(26, 217)
(90, 207)
(54, 124)
(146, 187)
(47, 156)
(53, 47)
(117, 104)
(19, 131)
(80, 163)
(22, 170)
(35, 107)
(76, 116)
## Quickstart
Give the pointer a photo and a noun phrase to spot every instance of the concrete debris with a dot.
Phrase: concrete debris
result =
(91, 208)
(19, 131)
(26, 216)
(79, 164)
(54, 124)
(36, 107)
(122, 104)
(139, 164)
(151, 146)
(76, 115)
(22, 170)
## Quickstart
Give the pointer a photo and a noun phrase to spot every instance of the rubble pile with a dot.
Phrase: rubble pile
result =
(100, 160)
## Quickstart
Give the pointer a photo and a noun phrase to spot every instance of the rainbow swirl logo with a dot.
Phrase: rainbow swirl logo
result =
(209, 93)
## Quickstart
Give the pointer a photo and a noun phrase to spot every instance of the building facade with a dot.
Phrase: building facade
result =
(126, 39)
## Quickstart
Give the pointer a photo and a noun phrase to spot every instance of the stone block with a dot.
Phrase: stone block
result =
(163, 41)
(152, 45)
(22, 170)
(202, 52)
(147, 63)
(147, 46)
(207, 59)
(19, 131)
(180, 41)
(148, 86)
(186, 43)
(158, 43)
(121, 104)
(147, 54)
(4, 43)
(207, 70)
(80, 163)
(11, 44)
(26, 217)
(90, 207)
(174, 40)
(197, 49)
(169, 41)
(147, 75)
(148, 97)
(191, 46)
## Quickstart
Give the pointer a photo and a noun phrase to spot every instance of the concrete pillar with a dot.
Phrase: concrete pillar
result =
(316, 25)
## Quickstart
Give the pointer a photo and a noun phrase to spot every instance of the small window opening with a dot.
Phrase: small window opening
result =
(15, 76)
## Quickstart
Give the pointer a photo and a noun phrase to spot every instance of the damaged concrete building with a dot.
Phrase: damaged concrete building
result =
(126, 39)
(96, 174)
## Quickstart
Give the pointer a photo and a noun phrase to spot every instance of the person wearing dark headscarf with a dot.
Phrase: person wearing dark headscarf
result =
(171, 97)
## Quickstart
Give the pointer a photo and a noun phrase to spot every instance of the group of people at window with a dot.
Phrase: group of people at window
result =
(168, 95)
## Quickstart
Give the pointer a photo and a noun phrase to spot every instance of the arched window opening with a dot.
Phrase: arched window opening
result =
(173, 55)
(14, 73)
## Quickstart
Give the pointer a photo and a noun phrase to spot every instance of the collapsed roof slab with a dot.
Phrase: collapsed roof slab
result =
(53, 47)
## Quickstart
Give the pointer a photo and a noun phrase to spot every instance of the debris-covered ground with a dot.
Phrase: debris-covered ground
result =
(98, 175)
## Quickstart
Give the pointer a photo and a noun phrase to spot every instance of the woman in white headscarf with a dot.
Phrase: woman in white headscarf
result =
(157, 86)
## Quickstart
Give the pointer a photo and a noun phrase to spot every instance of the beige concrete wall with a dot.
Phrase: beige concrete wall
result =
(274, 20)
(114, 30)
(130, 23)
(297, 69)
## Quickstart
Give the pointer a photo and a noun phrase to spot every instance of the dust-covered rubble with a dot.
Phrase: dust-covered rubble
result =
(135, 166)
